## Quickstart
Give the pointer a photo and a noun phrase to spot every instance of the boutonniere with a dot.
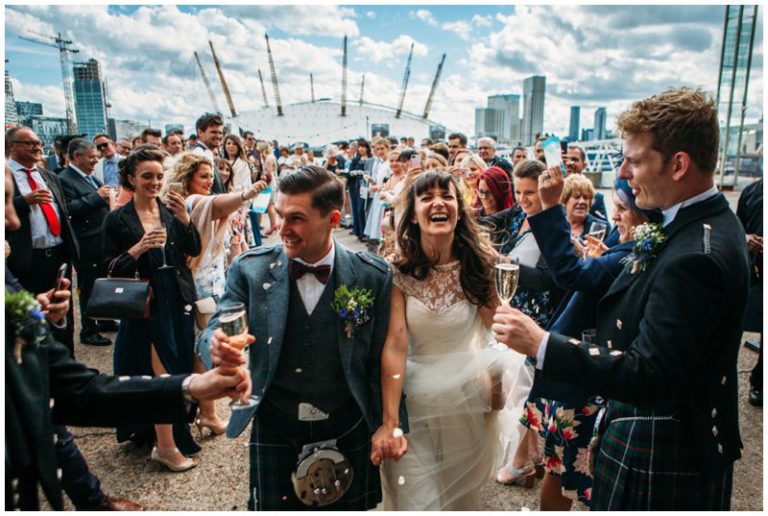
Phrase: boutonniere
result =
(22, 312)
(648, 240)
(352, 305)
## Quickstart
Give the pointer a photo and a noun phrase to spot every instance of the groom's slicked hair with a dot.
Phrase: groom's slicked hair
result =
(327, 190)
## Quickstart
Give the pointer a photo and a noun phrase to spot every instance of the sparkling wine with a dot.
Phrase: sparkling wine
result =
(598, 234)
(507, 276)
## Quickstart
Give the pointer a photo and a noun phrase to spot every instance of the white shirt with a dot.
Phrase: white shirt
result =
(85, 176)
(671, 213)
(201, 150)
(42, 238)
(310, 288)
(669, 216)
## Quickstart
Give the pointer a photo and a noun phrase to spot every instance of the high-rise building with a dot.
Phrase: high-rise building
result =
(125, 128)
(90, 98)
(587, 134)
(173, 128)
(599, 126)
(11, 116)
(47, 128)
(733, 83)
(534, 91)
(573, 129)
(488, 122)
(509, 105)
(26, 110)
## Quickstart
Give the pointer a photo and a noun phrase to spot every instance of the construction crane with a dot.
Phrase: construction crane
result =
(312, 87)
(405, 83)
(434, 87)
(263, 90)
(274, 78)
(362, 89)
(223, 81)
(64, 49)
(344, 80)
(207, 84)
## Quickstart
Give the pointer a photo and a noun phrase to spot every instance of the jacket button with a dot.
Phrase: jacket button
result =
(722, 381)
(719, 448)
(714, 412)
(714, 430)
(51, 403)
(609, 344)
(59, 473)
(619, 324)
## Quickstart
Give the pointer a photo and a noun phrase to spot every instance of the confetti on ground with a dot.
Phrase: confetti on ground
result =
(401, 480)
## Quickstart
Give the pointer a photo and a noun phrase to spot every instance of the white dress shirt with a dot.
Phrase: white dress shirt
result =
(42, 238)
(201, 150)
(310, 288)
(88, 177)
(669, 216)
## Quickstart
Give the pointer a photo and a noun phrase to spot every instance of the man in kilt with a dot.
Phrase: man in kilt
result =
(319, 315)
(669, 328)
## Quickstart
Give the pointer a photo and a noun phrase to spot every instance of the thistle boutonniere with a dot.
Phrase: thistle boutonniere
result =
(352, 305)
(648, 240)
(22, 312)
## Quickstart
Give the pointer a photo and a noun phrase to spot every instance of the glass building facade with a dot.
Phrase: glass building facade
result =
(90, 99)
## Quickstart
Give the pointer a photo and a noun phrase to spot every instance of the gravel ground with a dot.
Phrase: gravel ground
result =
(220, 481)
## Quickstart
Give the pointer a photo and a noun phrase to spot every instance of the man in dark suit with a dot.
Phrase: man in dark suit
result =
(44, 385)
(317, 376)
(486, 148)
(45, 239)
(88, 205)
(668, 329)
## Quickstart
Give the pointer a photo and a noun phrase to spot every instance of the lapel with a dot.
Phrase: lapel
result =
(50, 182)
(132, 221)
(277, 308)
(344, 274)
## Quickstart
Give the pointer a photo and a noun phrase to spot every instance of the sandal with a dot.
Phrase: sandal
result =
(523, 477)
(538, 462)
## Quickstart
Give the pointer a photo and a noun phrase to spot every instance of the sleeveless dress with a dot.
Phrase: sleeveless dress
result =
(452, 441)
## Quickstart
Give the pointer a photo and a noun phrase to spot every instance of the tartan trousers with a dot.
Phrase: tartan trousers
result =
(277, 441)
(645, 463)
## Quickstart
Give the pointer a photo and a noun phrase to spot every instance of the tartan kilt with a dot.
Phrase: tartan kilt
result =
(276, 443)
(647, 464)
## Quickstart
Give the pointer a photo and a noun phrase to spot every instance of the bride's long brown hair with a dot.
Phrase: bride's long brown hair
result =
(472, 248)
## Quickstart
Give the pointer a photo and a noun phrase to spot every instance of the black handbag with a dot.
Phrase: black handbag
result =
(119, 298)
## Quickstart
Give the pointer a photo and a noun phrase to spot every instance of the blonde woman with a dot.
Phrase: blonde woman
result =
(472, 166)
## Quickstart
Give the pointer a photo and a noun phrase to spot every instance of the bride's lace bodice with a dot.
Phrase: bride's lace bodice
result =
(439, 317)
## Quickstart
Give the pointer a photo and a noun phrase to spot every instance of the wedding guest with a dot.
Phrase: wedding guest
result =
(472, 166)
(355, 183)
(234, 153)
(669, 329)
(575, 161)
(210, 214)
(578, 193)
(750, 214)
(139, 239)
(567, 414)
(435, 161)
(379, 174)
(270, 175)
(494, 191)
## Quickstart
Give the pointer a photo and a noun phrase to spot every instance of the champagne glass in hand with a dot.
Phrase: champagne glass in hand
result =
(164, 236)
(598, 229)
(234, 323)
(507, 275)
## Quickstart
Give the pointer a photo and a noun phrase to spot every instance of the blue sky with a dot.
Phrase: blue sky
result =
(592, 56)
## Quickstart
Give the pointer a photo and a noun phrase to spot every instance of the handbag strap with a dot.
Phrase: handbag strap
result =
(114, 262)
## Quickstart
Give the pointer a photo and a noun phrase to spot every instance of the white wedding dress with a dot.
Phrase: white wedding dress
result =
(453, 441)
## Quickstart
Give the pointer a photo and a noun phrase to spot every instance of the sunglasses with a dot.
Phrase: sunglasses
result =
(102, 145)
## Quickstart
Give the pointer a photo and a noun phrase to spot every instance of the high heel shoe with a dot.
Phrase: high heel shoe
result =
(216, 429)
(523, 477)
(271, 230)
(538, 462)
(163, 456)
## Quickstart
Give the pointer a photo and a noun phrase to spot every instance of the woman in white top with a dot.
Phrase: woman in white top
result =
(376, 180)
(270, 176)
(235, 154)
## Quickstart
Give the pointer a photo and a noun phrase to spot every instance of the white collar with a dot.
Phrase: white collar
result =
(16, 166)
(326, 260)
(79, 171)
(671, 213)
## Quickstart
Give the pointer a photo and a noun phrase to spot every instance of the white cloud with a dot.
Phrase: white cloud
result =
(381, 51)
(482, 21)
(461, 28)
(370, 15)
(425, 16)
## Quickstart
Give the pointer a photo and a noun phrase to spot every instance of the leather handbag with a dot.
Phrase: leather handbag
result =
(119, 298)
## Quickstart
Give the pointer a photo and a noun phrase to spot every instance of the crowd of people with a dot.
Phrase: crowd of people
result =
(622, 330)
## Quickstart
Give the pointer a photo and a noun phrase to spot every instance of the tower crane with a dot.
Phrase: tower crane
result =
(224, 85)
(274, 78)
(344, 80)
(64, 48)
(263, 90)
(434, 87)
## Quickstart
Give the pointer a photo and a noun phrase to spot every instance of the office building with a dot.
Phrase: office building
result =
(174, 128)
(90, 99)
(599, 125)
(573, 129)
(488, 122)
(125, 128)
(509, 105)
(534, 91)
(11, 116)
(47, 128)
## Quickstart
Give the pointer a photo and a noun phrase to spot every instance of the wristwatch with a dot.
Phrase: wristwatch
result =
(185, 388)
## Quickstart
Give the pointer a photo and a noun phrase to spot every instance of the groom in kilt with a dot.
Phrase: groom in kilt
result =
(319, 315)
(669, 328)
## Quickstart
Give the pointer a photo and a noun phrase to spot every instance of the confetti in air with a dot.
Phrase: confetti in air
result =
(397, 433)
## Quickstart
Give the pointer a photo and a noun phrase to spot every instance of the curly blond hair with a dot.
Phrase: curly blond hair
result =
(186, 167)
(678, 120)
(577, 184)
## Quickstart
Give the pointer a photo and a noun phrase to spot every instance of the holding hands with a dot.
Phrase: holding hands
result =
(388, 443)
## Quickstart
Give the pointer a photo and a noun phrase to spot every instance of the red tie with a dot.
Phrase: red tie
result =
(50, 214)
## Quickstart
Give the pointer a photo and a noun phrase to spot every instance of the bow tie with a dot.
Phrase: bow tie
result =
(298, 269)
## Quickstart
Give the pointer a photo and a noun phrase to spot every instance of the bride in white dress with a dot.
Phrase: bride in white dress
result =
(442, 306)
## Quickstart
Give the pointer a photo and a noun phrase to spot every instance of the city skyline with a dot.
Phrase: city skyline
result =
(145, 54)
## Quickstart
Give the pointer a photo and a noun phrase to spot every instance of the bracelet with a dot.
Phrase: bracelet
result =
(185, 388)
(243, 200)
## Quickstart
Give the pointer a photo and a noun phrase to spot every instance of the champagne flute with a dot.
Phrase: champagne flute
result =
(161, 228)
(597, 230)
(507, 275)
(234, 323)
